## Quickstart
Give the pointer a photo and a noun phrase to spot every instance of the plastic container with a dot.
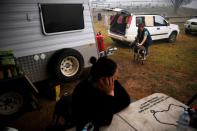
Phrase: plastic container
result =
(88, 127)
(184, 121)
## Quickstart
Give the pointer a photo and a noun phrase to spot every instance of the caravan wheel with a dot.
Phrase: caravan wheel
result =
(68, 65)
(13, 101)
(10, 103)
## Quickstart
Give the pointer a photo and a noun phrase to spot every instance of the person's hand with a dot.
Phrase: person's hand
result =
(106, 84)
(139, 44)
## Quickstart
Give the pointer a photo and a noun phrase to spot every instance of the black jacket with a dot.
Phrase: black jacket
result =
(140, 37)
(92, 105)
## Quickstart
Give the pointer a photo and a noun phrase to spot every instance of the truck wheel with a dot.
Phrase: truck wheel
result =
(11, 103)
(172, 37)
(187, 31)
(115, 41)
(68, 65)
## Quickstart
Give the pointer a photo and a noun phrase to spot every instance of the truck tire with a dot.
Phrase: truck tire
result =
(172, 37)
(187, 31)
(115, 41)
(68, 65)
(12, 102)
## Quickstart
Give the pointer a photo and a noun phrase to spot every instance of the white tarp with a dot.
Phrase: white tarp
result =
(157, 112)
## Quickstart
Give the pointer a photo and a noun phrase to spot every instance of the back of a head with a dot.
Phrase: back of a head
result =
(103, 67)
(140, 25)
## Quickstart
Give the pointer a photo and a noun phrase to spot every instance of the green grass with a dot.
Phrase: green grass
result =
(193, 86)
(180, 57)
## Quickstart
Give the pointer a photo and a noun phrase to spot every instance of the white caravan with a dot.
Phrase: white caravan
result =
(48, 37)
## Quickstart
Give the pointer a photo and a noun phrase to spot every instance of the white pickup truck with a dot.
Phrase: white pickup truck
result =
(191, 25)
(124, 26)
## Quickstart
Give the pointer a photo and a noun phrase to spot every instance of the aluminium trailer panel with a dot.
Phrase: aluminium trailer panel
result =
(21, 31)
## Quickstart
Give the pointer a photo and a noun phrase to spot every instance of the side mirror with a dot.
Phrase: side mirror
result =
(168, 24)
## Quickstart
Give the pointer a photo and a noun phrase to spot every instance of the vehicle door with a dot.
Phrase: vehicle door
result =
(194, 26)
(161, 28)
(148, 22)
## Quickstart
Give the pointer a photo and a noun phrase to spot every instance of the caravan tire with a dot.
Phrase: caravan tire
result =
(13, 102)
(68, 65)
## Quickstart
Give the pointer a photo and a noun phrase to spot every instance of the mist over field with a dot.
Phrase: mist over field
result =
(163, 7)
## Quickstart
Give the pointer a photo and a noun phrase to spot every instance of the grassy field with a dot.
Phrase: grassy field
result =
(170, 68)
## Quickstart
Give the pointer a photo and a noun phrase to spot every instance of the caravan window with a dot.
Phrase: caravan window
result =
(58, 18)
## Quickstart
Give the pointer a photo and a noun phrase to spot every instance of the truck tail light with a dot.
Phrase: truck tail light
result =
(112, 19)
(128, 21)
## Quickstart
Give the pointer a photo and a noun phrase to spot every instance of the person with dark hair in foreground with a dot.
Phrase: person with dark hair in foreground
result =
(100, 96)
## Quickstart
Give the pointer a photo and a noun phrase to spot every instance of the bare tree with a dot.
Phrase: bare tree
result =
(178, 3)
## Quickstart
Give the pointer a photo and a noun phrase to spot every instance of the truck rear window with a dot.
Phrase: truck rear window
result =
(57, 18)
(118, 23)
